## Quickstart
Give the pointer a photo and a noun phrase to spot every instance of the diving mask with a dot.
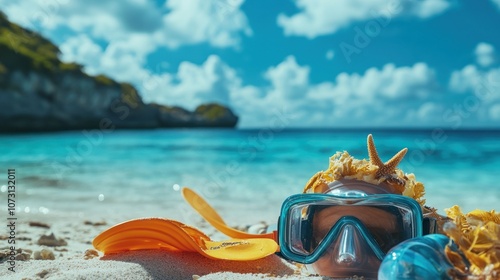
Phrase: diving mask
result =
(348, 230)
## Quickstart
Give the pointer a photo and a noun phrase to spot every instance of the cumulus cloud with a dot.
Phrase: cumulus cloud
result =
(376, 95)
(390, 82)
(191, 85)
(477, 89)
(428, 111)
(83, 50)
(496, 2)
(288, 79)
(179, 22)
(482, 80)
(485, 54)
(322, 17)
(194, 21)
(470, 79)
(494, 112)
(330, 54)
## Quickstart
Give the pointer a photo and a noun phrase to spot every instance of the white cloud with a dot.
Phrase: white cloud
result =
(330, 54)
(390, 82)
(471, 80)
(120, 61)
(475, 90)
(288, 79)
(83, 50)
(374, 96)
(212, 81)
(429, 111)
(179, 22)
(485, 54)
(321, 17)
(464, 80)
(194, 21)
(428, 8)
(494, 112)
(496, 2)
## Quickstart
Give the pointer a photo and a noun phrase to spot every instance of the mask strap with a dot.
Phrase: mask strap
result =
(429, 226)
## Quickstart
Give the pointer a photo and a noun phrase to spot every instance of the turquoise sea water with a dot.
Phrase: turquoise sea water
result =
(129, 174)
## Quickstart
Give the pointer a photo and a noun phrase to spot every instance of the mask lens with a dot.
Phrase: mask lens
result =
(312, 224)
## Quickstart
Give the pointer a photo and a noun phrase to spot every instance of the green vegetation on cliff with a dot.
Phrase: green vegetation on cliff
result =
(211, 111)
(26, 49)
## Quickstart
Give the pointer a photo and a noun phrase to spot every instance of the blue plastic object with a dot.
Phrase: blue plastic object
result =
(419, 258)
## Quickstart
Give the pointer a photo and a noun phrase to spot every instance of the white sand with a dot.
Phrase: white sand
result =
(151, 264)
(70, 263)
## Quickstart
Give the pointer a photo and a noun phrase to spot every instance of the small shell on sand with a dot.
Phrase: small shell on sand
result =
(44, 254)
(90, 254)
(51, 240)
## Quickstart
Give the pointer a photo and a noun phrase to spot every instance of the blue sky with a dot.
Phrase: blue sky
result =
(308, 63)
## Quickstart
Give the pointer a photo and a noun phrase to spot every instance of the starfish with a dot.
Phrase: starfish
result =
(388, 168)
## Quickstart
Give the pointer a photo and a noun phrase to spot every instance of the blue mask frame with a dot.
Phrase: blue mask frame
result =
(284, 235)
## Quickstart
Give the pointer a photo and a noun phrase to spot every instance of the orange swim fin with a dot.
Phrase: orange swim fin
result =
(158, 233)
(209, 214)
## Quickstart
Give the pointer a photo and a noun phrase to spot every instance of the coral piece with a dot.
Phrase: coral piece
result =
(477, 234)
(374, 171)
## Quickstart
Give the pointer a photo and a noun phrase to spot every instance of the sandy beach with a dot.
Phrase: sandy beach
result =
(75, 257)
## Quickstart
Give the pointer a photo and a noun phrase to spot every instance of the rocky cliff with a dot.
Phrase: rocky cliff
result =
(38, 92)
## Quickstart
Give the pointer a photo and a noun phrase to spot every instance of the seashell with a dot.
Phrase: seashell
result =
(44, 254)
(257, 228)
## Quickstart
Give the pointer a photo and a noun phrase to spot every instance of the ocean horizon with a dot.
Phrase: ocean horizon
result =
(128, 174)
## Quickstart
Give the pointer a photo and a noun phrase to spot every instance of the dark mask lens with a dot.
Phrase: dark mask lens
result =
(384, 224)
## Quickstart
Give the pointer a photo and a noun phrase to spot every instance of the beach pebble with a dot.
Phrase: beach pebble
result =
(51, 240)
(42, 273)
(23, 257)
(61, 249)
(20, 254)
(90, 254)
(44, 254)
(38, 224)
(102, 223)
